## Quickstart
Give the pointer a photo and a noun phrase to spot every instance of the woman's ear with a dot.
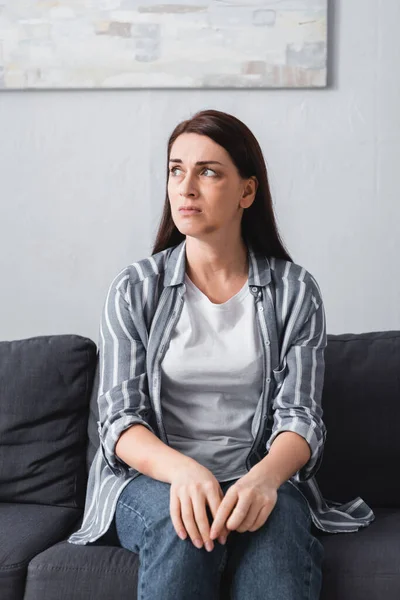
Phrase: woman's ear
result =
(249, 192)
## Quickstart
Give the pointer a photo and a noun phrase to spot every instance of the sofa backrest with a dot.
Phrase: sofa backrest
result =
(49, 414)
(361, 403)
(92, 432)
(45, 385)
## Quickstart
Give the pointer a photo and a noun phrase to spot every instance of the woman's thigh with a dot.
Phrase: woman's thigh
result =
(142, 505)
(170, 568)
(282, 559)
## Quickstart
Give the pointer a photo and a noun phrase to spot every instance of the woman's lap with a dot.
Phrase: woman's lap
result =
(169, 566)
(281, 559)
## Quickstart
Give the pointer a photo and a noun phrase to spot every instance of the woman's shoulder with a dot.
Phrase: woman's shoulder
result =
(146, 268)
(293, 277)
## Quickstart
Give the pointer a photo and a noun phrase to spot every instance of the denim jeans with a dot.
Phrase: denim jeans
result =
(282, 560)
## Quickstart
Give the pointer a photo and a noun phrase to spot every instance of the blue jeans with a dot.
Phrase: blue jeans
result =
(282, 560)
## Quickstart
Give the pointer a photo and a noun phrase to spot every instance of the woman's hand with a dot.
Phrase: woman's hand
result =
(192, 488)
(246, 506)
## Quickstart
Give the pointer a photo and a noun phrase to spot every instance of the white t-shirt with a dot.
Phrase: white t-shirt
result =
(211, 381)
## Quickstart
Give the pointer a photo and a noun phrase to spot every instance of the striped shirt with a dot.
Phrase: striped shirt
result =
(142, 306)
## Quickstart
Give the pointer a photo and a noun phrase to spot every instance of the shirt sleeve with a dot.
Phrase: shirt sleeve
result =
(123, 397)
(297, 404)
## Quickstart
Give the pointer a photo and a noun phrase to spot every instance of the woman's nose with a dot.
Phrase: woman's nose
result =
(187, 189)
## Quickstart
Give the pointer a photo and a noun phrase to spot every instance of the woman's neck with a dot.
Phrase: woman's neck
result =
(219, 264)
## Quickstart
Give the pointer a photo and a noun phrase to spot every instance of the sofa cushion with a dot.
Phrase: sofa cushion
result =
(45, 385)
(362, 412)
(357, 566)
(72, 572)
(92, 431)
(363, 565)
(26, 530)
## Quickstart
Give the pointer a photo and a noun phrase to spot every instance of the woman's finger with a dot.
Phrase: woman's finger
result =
(200, 516)
(175, 512)
(261, 518)
(251, 517)
(188, 518)
(240, 511)
(214, 500)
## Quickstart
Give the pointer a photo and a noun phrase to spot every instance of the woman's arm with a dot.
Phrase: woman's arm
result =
(297, 405)
(123, 398)
(289, 453)
(144, 451)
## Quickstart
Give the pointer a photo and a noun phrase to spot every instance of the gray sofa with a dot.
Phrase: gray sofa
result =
(48, 438)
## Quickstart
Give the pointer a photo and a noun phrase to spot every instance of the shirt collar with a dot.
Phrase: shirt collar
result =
(259, 267)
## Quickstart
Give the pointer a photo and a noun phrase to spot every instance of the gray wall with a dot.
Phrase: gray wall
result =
(82, 178)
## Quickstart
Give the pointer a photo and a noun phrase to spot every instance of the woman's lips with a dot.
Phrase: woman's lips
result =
(189, 211)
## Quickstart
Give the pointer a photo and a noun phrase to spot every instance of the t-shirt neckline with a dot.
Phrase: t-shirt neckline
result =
(237, 298)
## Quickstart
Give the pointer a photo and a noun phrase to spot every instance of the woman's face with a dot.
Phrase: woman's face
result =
(214, 187)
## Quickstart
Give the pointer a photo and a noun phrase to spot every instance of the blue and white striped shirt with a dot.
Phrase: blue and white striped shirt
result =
(142, 306)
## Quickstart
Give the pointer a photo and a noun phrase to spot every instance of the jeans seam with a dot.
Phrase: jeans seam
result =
(135, 511)
(314, 541)
(142, 555)
(142, 566)
(223, 561)
(307, 571)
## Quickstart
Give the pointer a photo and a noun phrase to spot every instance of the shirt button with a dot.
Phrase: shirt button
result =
(260, 308)
(268, 342)
(268, 379)
(254, 289)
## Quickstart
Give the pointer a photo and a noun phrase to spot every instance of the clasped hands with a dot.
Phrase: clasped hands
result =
(246, 505)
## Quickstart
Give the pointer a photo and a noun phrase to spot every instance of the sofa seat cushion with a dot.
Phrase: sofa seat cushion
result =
(364, 565)
(26, 530)
(73, 572)
(357, 566)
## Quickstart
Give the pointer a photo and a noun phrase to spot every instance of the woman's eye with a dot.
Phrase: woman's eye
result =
(173, 169)
(205, 169)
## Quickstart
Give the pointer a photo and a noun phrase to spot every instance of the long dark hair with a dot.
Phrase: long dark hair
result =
(258, 224)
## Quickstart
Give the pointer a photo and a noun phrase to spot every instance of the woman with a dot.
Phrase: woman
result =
(211, 376)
